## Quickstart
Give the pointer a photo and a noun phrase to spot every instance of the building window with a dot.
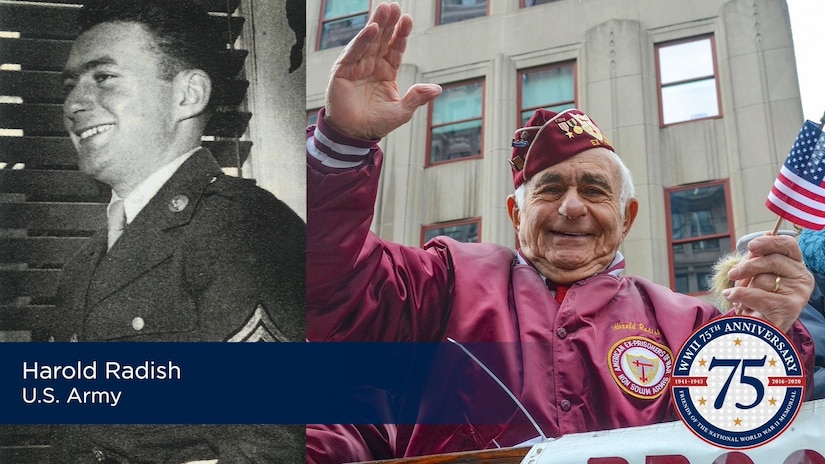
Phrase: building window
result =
(688, 88)
(526, 3)
(550, 87)
(312, 117)
(340, 21)
(699, 232)
(456, 122)
(465, 230)
(450, 11)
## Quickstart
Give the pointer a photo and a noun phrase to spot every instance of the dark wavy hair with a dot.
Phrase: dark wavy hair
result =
(183, 32)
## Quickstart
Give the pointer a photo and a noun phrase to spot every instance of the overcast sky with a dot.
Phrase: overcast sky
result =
(807, 19)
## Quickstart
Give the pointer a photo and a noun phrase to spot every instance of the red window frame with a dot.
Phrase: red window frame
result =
(521, 73)
(430, 126)
(715, 77)
(438, 13)
(441, 225)
(322, 21)
(687, 241)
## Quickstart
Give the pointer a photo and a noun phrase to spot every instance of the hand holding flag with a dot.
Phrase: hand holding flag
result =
(798, 194)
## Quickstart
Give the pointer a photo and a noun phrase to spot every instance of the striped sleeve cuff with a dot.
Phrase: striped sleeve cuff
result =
(336, 150)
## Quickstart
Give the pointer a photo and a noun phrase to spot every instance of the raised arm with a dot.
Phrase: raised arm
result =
(360, 287)
(362, 98)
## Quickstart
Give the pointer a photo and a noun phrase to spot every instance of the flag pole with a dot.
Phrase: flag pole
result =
(776, 226)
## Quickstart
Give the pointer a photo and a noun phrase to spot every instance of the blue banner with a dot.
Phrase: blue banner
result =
(263, 383)
(205, 383)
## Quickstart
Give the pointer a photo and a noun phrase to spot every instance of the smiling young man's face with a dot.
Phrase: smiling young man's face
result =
(571, 223)
(118, 110)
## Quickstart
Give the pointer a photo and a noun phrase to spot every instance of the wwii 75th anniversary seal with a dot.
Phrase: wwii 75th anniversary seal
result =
(738, 382)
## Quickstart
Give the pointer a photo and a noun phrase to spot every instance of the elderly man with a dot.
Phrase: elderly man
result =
(551, 314)
(191, 254)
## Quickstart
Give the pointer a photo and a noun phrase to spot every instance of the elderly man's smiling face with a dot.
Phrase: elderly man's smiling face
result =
(572, 223)
(118, 110)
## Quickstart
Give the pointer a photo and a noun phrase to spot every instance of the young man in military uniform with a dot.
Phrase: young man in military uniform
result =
(190, 254)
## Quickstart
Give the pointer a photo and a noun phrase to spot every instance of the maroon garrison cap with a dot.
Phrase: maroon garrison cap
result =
(549, 138)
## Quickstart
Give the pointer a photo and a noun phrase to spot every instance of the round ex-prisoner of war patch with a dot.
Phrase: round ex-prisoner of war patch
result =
(738, 382)
(640, 366)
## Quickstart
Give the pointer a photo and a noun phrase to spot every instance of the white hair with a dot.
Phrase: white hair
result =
(627, 189)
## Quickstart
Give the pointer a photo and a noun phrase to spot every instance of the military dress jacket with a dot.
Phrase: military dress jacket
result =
(210, 258)
(569, 364)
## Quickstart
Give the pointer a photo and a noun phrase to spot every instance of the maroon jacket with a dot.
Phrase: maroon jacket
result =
(571, 365)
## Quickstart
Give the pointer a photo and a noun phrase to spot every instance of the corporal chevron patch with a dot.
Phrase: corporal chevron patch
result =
(259, 328)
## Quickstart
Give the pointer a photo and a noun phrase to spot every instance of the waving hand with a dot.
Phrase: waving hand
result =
(362, 98)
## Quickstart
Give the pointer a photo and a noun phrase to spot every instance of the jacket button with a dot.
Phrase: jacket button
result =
(138, 323)
(561, 333)
(565, 405)
(178, 203)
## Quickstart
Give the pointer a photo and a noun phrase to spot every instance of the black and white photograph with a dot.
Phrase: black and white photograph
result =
(152, 190)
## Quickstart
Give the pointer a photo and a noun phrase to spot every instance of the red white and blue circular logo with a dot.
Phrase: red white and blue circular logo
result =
(738, 382)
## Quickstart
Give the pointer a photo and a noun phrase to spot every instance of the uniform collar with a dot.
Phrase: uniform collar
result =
(138, 198)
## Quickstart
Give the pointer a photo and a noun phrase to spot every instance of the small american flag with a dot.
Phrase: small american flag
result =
(798, 195)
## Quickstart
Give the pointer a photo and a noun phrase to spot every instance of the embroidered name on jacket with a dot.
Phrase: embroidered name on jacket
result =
(640, 366)
(637, 326)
